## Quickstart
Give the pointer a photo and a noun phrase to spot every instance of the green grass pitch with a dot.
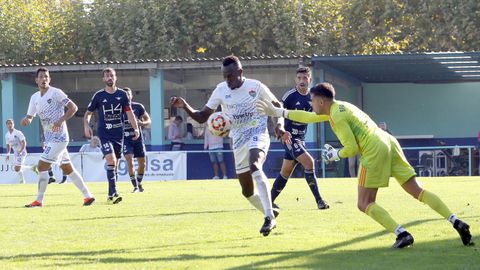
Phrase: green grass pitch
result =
(209, 225)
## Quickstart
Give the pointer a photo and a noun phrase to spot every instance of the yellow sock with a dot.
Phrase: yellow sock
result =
(381, 216)
(435, 203)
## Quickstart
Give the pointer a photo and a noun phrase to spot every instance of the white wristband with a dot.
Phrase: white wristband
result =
(280, 112)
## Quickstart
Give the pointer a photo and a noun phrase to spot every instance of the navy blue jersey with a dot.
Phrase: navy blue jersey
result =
(138, 110)
(110, 109)
(293, 100)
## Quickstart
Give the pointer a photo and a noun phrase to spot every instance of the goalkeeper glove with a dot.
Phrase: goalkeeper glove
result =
(267, 108)
(330, 154)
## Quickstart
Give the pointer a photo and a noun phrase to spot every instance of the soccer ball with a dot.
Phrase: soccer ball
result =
(219, 124)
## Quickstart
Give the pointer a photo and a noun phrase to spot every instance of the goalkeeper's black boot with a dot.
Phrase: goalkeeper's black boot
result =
(404, 239)
(268, 226)
(463, 230)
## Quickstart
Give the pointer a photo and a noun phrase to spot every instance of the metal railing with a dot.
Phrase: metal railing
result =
(438, 161)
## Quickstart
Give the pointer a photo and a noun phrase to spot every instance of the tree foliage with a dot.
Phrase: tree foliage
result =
(78, 30)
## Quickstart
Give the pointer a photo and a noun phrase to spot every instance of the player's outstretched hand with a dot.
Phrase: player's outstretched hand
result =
(267, 108)
(177, 102)
(330, 154)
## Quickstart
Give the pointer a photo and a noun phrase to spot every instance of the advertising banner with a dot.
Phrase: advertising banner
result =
(159, 166)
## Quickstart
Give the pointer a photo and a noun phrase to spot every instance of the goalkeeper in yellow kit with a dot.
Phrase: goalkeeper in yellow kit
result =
(381, 157)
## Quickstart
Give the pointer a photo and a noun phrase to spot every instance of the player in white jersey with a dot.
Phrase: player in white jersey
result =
(237, 96)
(49, 104)
(15, 141)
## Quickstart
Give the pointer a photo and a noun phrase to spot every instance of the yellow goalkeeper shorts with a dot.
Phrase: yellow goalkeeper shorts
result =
(381, 159)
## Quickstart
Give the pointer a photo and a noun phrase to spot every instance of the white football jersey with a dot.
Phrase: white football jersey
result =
(15, 139)
(240, 105)
(50, 107)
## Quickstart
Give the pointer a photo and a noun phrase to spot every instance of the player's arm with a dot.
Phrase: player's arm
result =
(88, 132)
(305, 117)
(280, 132)
(347, 139)
(199, 116)
(133, 121)
(31, 112)
(92, 106)
(267, 96)
(267, 108)
(26, 120)
(127, 109)
(24, 144)
(71, 110)
(144, 120)
(8, 152)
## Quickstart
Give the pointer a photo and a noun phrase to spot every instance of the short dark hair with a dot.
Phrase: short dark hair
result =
(179, 118)
(127, 89)
(231, 59)
(107, 69)
(303, 70)
(9, 120)
(41, 69)
(323, 90)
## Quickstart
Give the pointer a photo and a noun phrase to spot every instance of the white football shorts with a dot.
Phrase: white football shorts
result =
(19, 158)
(54, 152)
(242, 154)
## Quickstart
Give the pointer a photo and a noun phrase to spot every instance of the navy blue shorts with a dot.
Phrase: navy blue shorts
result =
(135, 147)
(110, 146)
(294, 150)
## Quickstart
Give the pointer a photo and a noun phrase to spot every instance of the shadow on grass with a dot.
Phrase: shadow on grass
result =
(65, 258)
(440, 254)
(434, 255)
(79, 204)
(162, 214)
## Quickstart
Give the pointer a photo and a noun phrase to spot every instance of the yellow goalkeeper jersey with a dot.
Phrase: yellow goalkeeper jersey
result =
(353, 127)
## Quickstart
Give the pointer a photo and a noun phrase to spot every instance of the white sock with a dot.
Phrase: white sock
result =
(255, 201)
(20, 176)
(452, 218)
(264, 192)
(399, 230)
(79, 183)
(42, 185)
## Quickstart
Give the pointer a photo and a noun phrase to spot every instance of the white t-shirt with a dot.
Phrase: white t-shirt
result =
(15, 139)
(88, 148)
(50, 107)
(240, 106)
